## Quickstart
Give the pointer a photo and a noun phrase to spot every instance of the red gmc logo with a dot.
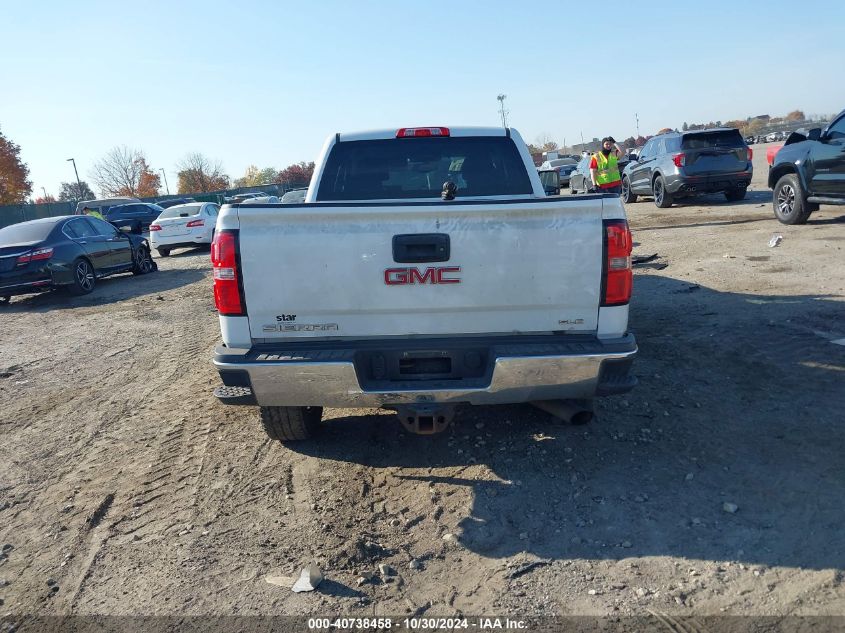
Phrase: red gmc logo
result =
(412, 276)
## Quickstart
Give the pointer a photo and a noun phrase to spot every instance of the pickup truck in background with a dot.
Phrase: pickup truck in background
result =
(809, 170)
(425, 269)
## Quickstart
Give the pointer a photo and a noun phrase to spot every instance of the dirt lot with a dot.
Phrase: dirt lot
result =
(125, 482)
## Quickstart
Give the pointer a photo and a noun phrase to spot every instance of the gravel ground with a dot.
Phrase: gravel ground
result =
(715, 487)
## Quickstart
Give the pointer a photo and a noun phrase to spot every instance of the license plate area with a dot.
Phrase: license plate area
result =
(418, 365)
(413, 366)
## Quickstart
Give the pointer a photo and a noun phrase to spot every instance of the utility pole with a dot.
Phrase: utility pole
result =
(502, 111)
(637, 117)
(78, 184)
(45, 192)
(582, 141)
(161, 169)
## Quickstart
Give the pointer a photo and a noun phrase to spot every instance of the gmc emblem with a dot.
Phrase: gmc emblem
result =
(412, 276)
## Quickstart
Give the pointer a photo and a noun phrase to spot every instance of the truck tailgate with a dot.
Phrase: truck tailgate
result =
(327, 270)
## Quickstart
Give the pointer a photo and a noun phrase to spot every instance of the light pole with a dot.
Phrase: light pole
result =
(502, 111)
(78, 184)
(637, 117)
(45, 193)
(161, 169)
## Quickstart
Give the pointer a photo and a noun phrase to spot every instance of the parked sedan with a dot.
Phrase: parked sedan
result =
(579, 178)
(565, 171)
(69, 252)
(294, 196)
(183, 225)
(135, 217)
(240, 197)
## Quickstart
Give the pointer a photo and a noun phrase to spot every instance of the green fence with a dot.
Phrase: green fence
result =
(14, 213)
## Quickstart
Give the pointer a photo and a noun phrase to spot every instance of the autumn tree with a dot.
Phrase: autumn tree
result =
(296, 174)
(149, 182)
(45, 199)
(254, 177)
(15, 185)
(795, 115)
(124, 172)
(198, 174)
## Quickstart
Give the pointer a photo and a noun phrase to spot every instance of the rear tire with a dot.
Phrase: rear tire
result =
(164, 252)
(627, 195)
(84, 278)
(662, 198)
(736, 194)
(788, 201)
(291, 424)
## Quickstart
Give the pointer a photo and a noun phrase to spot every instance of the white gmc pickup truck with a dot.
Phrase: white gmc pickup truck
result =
(425, 269)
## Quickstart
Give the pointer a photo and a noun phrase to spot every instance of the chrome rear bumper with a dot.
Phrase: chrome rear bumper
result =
(516, 371)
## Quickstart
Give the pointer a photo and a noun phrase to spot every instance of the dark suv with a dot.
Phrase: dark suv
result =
(808, 171)
(134, 217)
(678, 165)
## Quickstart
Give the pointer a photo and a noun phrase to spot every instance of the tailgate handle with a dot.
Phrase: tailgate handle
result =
(419, 248)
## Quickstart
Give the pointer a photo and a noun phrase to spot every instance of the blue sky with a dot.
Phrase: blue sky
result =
(265, 82)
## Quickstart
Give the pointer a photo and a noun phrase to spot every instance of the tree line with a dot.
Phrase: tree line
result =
(126, 172)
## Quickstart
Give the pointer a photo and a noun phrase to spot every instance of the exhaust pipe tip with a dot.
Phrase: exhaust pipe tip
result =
(575, 412)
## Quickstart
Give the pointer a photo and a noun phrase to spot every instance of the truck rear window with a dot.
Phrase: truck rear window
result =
(705, 140)
(418, 167)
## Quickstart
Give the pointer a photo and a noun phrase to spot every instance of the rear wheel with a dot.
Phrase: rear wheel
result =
(662, 198)
(788, 201)
(164, 252)
(84, 278)
(291, 424)
(627, 195)
(736, 194)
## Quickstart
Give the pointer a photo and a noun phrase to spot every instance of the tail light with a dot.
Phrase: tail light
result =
(410, 132)
(39, 254)
(194, 223)
(679, 159)
(750, 154)
(618, 273)
(155, 227)
(228, 292)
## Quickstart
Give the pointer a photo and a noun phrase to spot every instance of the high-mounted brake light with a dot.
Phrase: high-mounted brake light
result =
(39, 254)
(679, 159)
(224, 262)
(194, 223)
(411, 132)
(155, 227)
(618, 272)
